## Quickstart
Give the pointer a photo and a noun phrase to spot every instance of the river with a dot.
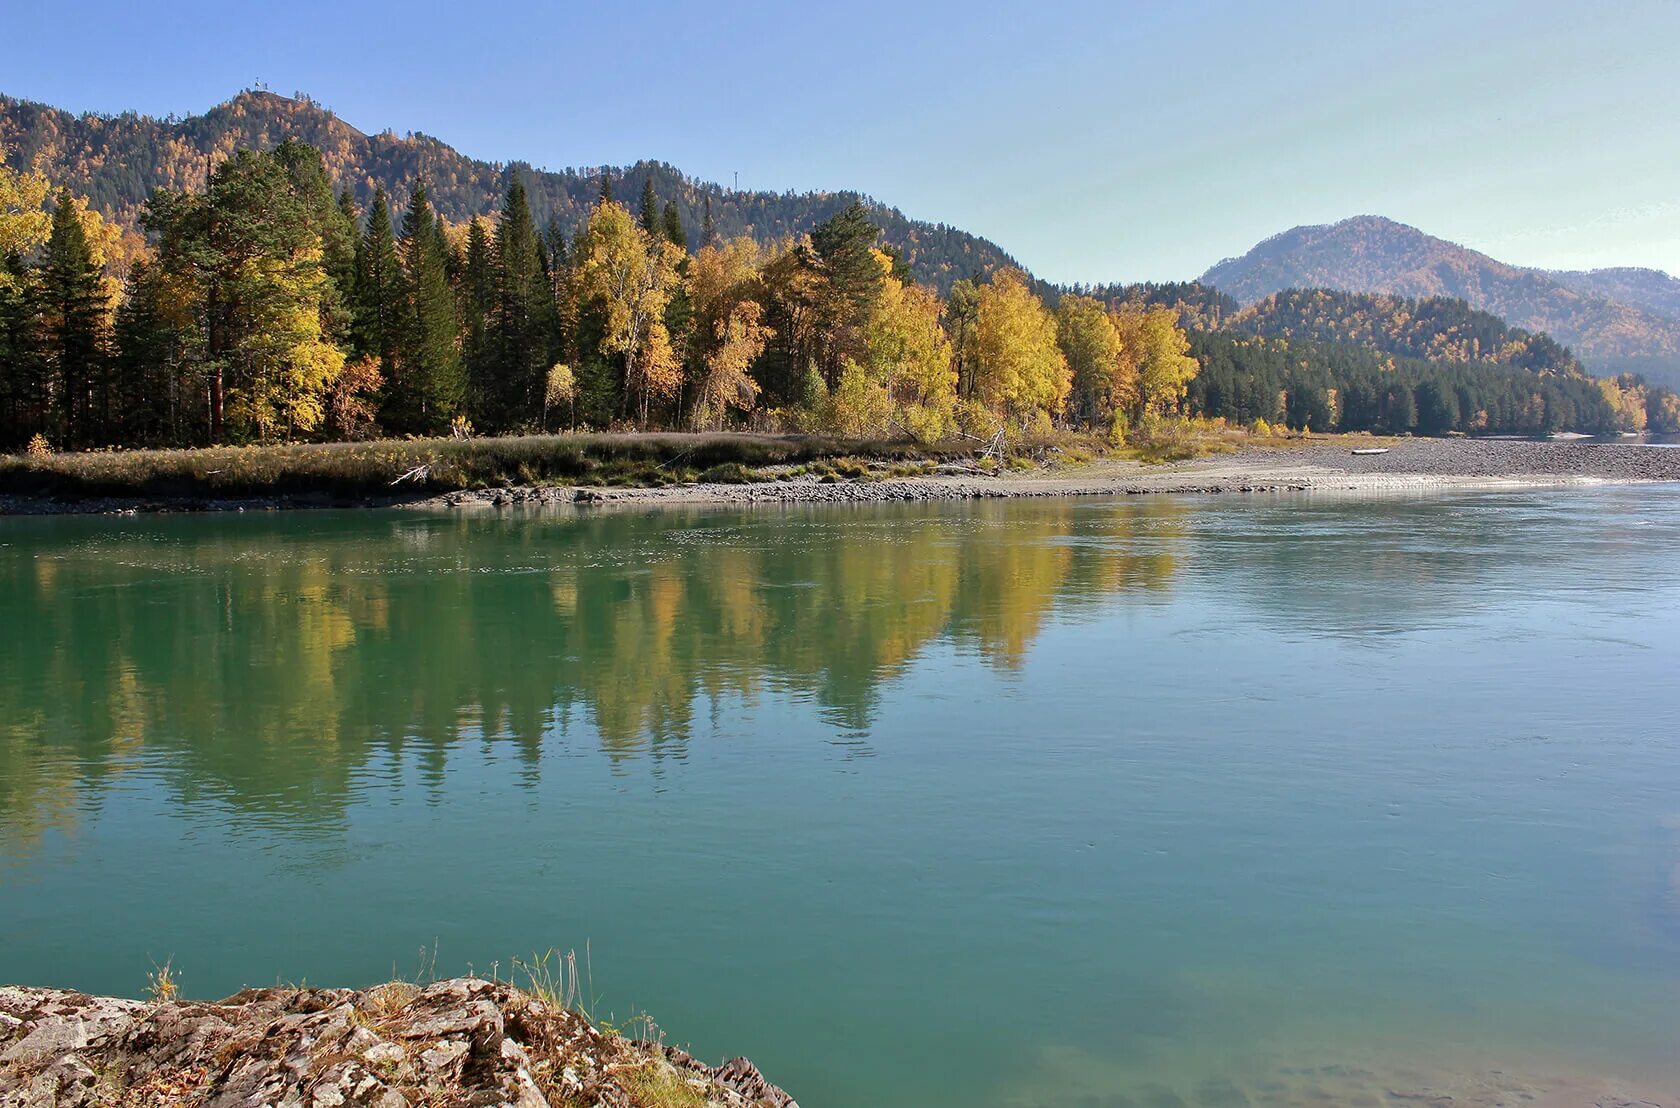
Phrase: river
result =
(1169, 800)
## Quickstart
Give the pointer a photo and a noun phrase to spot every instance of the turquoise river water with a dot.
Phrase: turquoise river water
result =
(1176, 801)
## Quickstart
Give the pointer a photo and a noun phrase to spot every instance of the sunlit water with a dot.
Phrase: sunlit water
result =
(1076, 802)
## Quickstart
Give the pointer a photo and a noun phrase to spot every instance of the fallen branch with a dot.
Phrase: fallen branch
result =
(417, 474)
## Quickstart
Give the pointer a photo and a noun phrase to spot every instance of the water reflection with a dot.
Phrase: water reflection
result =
(267, 664)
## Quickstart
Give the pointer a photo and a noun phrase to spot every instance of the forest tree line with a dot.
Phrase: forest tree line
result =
(269, 307)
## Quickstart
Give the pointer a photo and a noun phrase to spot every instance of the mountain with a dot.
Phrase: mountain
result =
(1614, 320)
(1434, 329)
(117, 160)
(1650, 289)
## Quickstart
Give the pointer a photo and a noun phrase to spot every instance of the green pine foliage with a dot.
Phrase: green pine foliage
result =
(378, 281)
(73, 307)
(428, 388)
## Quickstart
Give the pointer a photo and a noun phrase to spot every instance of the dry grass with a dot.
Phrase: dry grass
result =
(658, 1085)
(395, 467)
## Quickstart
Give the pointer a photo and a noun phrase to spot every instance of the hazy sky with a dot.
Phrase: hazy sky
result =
(1093, 141)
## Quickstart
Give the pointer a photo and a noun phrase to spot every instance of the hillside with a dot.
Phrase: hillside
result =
(118, 160)
(1608, 318)
(1435, 329)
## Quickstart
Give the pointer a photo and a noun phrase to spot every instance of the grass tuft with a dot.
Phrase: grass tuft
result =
(659, 1085)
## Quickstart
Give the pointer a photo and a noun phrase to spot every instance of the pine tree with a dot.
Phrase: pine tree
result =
(478, 299)
(708, 229)
(340, 248)
(427, 389)
(75, 326)
(842, 256)
(674, 232)
(522, 321)
(148, 379)
(325, 214)
(606, 186)
(379, 292)
(650, 208)
(23, 374)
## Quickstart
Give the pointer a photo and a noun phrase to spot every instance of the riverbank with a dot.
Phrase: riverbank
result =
(461, 1041)
(829, 476)
(1322, 466)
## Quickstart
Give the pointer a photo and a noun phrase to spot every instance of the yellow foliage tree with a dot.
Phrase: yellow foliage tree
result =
(1627, 398)
(910, 358)
(630, 276)
(1103, 381)
(24, 222)
(287, 366)
(729, 331)
(1152, 341)
(1019, 372)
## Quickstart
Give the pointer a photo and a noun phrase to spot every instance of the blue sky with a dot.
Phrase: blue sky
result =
(1094, 141)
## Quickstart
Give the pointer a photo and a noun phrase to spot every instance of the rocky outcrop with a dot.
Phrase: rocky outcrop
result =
(463, 1042)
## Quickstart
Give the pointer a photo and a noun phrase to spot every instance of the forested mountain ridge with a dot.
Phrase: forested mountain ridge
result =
(1609, 331)
(1649, 289)
(118, 160)
(1435, 328)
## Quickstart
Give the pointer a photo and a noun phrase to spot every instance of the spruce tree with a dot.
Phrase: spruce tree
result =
(522, 322)
(328, 218)
(708, 229)
(148, 378)
(478, 299)
(674, 232)
(74, 306)
(650, 208)
(842, 257)
(606, 186)
(427, 389)
(23, 376)
(379, 293)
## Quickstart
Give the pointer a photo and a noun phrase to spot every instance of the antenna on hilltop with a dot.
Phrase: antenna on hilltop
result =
(737, 180)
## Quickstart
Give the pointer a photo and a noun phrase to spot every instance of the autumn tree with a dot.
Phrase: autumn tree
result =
(24, 221)
(910, 357)
(960, 309)
(1019, 371)
(248, 255)
(1103, 384)
(728, 333)
(629, 277)
(1152, 341)
(24, 226)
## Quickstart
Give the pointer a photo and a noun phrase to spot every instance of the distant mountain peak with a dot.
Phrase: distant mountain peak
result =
(1615, 319)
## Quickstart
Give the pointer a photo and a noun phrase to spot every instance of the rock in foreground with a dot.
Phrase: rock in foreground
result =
(462, 1042)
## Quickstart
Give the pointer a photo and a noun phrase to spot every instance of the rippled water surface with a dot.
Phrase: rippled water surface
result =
(1079, 802)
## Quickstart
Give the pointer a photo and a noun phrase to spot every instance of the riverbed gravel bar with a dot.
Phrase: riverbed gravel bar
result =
(1323, 466)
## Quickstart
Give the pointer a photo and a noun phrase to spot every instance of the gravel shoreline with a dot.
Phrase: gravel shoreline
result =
(1411, 465)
